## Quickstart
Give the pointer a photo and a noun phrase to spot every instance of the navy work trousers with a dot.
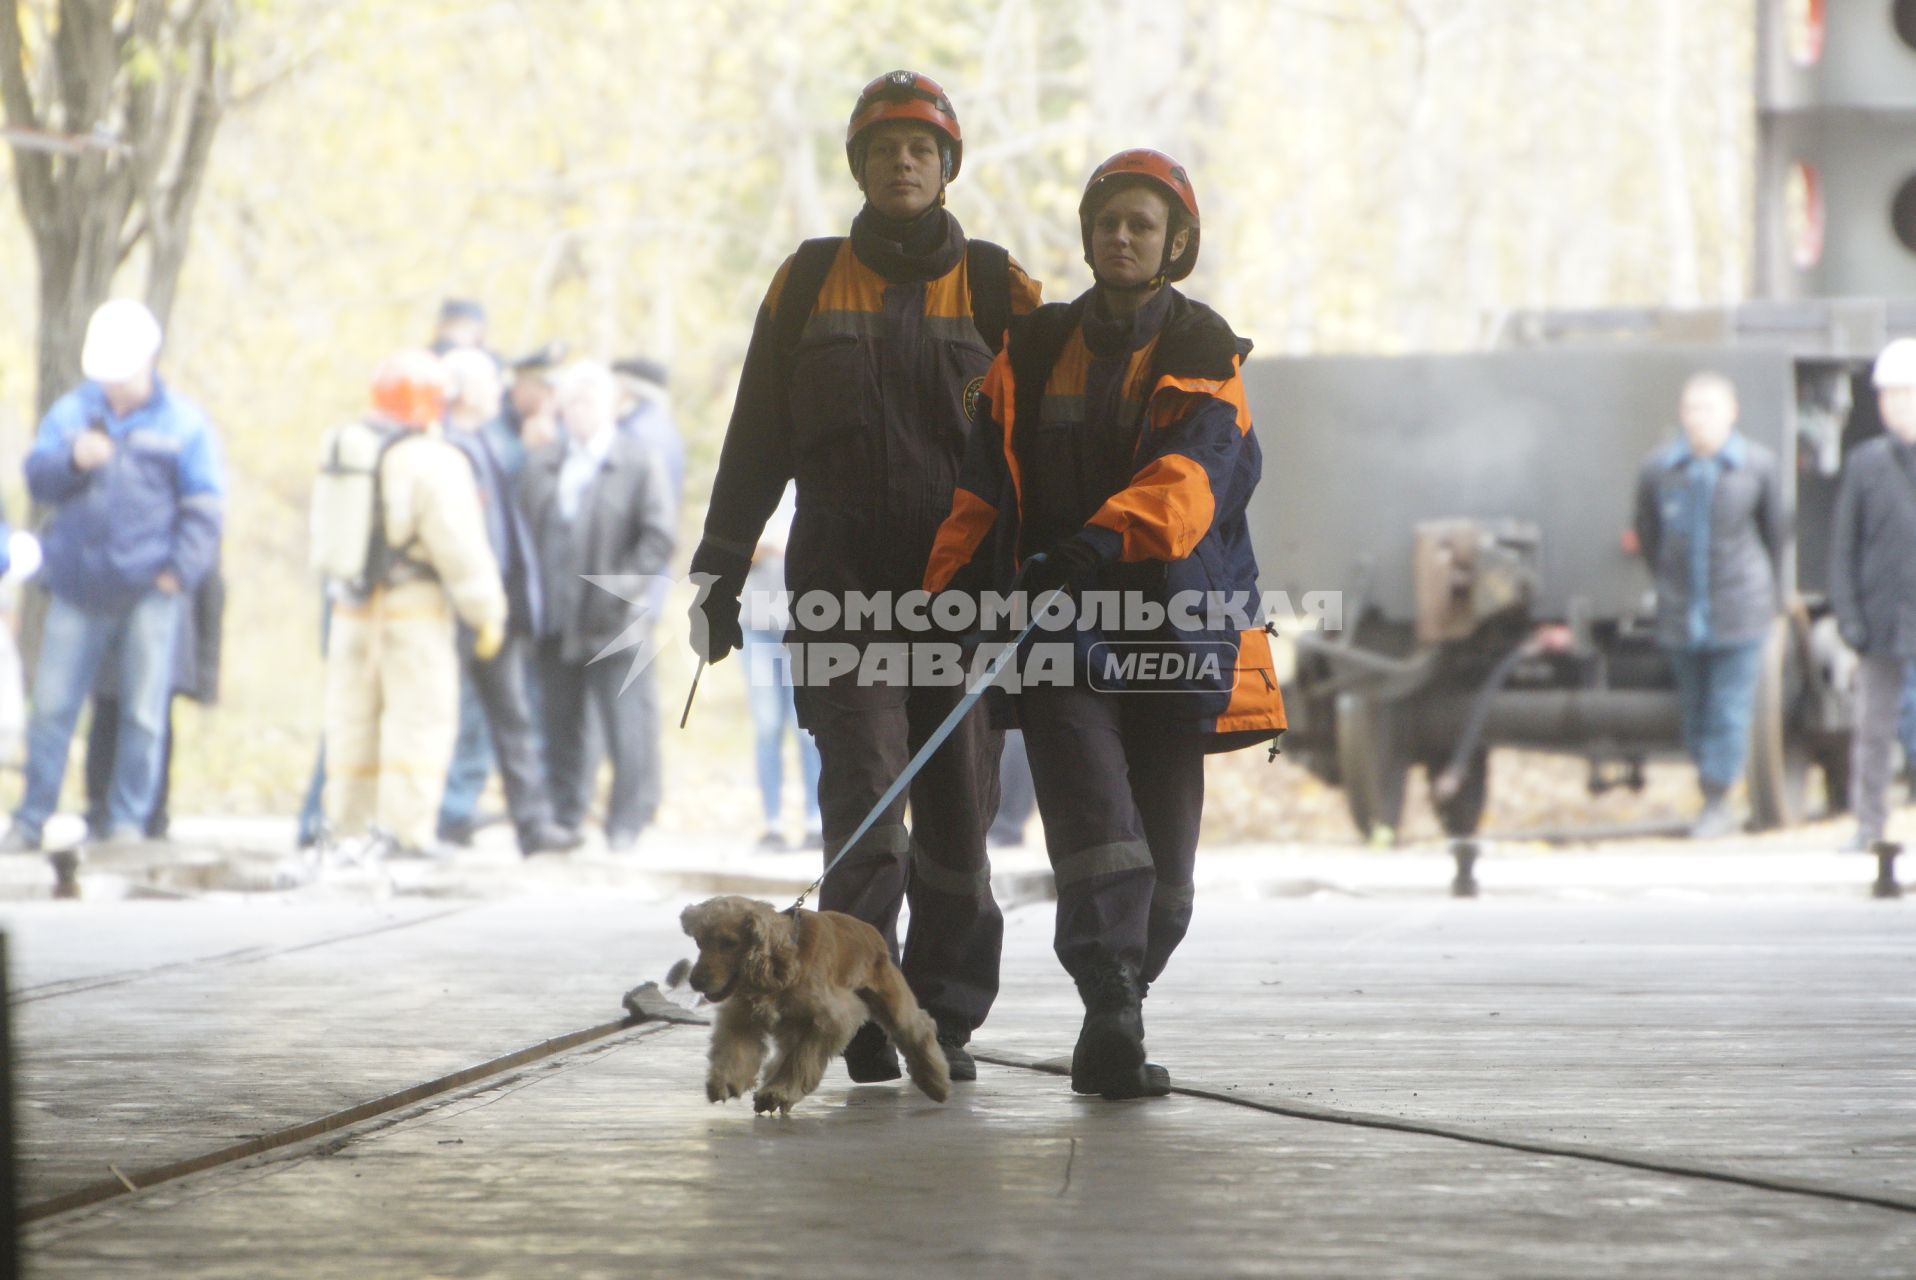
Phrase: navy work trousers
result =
(866, 735)
(1120, 793)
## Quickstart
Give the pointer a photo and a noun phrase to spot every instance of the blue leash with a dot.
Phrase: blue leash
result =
(936, 740)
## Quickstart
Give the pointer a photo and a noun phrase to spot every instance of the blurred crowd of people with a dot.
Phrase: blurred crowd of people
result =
(474, 487)
(534, 501)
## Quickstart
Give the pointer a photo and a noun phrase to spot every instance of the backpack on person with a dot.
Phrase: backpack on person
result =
(348, 520)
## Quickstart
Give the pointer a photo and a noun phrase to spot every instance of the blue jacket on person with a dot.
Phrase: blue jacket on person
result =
(508, 532)
(1712, 532)
(155, 505)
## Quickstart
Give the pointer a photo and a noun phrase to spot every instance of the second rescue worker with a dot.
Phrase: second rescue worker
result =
(1114, 452)
(855, 385)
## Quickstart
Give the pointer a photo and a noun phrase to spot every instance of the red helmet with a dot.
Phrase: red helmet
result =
(409, 388)
(906, 95)
(1141, 164)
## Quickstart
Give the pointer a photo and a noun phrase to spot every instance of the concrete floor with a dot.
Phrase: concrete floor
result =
(1770, 1036)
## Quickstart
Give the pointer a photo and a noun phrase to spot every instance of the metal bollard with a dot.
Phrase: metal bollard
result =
(1886, 885)
(1464, 884)
(66, 872)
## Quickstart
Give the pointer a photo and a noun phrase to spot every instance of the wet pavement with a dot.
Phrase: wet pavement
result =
(1767, 1036)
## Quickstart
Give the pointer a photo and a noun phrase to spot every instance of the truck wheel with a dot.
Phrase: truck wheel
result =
(1779, 755)
(1373, 762)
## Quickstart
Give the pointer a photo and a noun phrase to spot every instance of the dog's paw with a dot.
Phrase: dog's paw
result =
(766, 1101)
(718, 1090)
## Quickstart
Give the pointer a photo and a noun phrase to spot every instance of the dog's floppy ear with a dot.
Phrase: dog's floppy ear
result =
(784, 953)
(784, 947)
(774, 956)
(693, 919)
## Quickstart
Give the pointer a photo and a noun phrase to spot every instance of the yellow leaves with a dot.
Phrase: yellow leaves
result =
(143, 63)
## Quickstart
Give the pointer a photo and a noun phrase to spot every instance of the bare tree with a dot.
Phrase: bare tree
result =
(111, 110)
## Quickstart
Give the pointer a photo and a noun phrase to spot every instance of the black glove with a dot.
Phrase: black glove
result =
(1069, 564)
(720, 576)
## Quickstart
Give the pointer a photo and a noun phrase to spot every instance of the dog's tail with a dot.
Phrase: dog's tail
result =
(911, 1029)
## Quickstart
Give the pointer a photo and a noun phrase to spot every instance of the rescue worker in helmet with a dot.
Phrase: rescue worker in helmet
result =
(404, 551)
(855, 386)
(1114, 453)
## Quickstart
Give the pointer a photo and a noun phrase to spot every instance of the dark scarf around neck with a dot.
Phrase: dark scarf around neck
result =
(922, 248)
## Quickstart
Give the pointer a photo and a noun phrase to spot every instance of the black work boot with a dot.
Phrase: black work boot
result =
(548, 837)
(1109, 1059)
(952, 1036)
(869, 1057)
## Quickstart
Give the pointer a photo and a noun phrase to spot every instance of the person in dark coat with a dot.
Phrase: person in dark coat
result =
(525, 422)
(598, 502)
(1872, 582)
(495, 717)
(1711, 524)
(645, 414)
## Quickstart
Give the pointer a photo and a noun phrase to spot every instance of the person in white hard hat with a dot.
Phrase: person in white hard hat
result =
(1872, 582)
(132, 473)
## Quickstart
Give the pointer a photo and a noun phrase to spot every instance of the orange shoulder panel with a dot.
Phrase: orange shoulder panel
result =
(851, 285)
(778, 284)
(1026, 294)
(950, 294)
(1171, 398)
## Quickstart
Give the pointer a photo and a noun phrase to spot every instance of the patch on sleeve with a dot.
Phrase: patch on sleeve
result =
(974, 393)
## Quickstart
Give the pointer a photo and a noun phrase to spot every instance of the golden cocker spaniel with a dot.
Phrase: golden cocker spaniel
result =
(807, 981)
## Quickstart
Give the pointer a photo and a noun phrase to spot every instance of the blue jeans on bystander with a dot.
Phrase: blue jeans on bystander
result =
(72, 648)
(1716, 691)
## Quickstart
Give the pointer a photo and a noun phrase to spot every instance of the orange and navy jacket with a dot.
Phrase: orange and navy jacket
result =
(867, 412)
(1171, 520)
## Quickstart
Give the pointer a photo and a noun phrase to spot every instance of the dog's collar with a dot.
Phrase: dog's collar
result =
(797, 932)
